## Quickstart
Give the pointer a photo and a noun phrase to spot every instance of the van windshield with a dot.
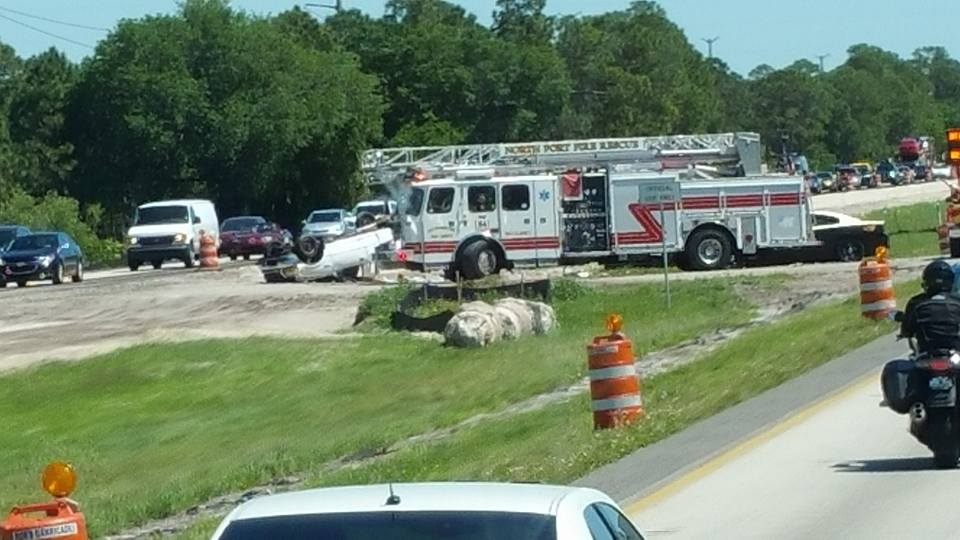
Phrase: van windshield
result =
(155, 215)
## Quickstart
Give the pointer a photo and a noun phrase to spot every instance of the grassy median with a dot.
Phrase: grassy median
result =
(912, 229)
(557, 444)
(157, 428)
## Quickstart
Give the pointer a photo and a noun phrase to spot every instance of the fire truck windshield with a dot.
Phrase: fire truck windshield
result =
(414, 202)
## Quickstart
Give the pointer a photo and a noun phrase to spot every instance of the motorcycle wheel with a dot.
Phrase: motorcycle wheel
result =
(943, 442)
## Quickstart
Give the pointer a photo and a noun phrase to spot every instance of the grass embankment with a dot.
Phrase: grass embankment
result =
(157, 428)
(558, 444)
(912, 229)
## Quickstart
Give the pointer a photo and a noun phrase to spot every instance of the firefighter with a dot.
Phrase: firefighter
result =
(933, 316)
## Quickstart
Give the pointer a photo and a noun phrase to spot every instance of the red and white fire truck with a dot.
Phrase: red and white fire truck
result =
(541, 204)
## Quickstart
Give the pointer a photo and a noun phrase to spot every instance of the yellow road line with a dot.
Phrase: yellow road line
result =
(725, 457)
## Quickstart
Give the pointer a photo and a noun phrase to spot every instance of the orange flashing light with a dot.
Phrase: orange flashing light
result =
(614, 323)
(881, 253)
(59, 479)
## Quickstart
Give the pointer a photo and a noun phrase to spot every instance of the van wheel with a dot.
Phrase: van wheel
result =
(478, 260)
(709, 249)
(188, 261)
(133, 265)
(157, 264)
(21, 283)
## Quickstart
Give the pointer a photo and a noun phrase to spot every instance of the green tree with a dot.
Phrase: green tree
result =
(634, 72)
(523, 21)
(42, 155)
(215, 103)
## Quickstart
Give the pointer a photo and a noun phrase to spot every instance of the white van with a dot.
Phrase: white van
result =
(167, 230)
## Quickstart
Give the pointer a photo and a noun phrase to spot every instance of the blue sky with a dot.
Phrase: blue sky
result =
(751, 32)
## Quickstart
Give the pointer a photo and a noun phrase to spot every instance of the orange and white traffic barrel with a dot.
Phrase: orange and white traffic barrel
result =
(208, 251)
(58, 519)
(876, 286)
(614, 383)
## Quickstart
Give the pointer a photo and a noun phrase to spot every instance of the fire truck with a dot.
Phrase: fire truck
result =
(476, 209)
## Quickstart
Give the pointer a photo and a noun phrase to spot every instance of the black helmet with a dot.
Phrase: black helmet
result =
(938, 277)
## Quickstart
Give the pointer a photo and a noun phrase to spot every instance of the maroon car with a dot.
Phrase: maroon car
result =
(244, 236)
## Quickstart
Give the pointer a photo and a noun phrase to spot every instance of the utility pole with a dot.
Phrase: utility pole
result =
(821, 57)
(338, 6)
(710, 42)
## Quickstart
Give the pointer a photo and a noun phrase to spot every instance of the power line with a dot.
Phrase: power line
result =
(54, 21)
(35, 29)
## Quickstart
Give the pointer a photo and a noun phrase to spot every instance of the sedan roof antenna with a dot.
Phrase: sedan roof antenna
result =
(393, 499)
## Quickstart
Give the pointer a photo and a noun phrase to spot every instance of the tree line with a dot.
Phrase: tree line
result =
(268, 115)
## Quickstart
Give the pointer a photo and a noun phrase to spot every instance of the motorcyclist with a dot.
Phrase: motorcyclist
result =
(933, 316)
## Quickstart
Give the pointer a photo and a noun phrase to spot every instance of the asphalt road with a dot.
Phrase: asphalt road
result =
(848, 470)
(815, 458)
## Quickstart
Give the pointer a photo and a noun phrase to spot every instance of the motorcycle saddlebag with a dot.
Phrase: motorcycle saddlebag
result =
(899, 382)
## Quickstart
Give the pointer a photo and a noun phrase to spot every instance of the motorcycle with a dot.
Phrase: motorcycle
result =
(924, 387)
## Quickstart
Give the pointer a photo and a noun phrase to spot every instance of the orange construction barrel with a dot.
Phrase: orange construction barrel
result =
(208, 251)
(614, 384)
(876, 287)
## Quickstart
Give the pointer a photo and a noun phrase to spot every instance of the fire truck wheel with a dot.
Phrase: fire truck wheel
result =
(478, 260)
(709, 249)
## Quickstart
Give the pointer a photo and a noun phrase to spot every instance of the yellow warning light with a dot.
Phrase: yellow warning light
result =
(953, 135)
(881, 252)
(953, 156)
(614, 322)
(59, 479)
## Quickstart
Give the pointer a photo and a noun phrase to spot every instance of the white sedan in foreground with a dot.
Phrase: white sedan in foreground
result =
(431, 511)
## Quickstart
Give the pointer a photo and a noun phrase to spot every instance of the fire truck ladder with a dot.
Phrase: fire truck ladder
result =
(742, 150)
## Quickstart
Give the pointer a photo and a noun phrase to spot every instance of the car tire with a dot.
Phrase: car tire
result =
(57, 273)
(709, 249)
(364, 219)
(78, 275)
(479, 260)
(157, 265)
(246, 257)
(849, 250)
(188, 260)
(233, 257)
(311, 248)
(21, 283)
(133, 265)
(3, 284)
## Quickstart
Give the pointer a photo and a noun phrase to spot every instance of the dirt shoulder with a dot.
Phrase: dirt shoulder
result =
(78, 320)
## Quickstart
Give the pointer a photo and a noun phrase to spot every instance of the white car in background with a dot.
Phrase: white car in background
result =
(431, 511)
(327, 224)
